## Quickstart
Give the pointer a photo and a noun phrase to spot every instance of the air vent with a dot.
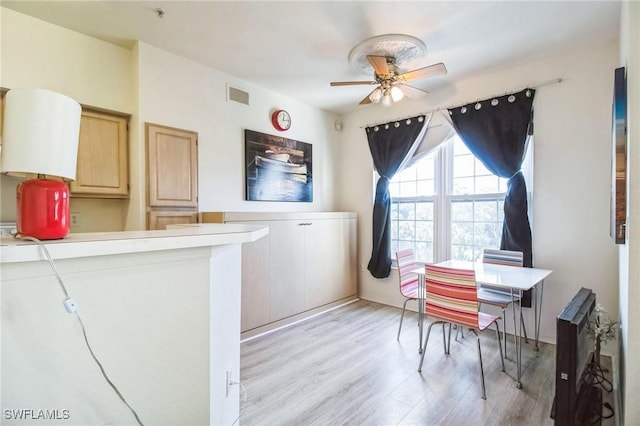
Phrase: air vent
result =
(238, 95)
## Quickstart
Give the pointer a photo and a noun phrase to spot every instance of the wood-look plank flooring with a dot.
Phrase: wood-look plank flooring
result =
(345, 367)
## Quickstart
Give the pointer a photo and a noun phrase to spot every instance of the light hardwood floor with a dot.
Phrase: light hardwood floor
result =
(345, 367)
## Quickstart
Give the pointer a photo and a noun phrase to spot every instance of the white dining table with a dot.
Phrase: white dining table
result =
(513, 278)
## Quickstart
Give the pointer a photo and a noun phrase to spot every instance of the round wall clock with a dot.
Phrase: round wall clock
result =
(281, 120)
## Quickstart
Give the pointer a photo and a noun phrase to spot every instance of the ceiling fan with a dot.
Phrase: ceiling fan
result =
(391, 83)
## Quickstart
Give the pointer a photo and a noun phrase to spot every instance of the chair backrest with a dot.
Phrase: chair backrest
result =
(406, 263)
(452, 295)
(502, 257)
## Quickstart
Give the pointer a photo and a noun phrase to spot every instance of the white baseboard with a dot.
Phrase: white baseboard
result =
(295, 319)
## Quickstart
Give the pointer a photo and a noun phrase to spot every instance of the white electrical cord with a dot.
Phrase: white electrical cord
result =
(71, 307)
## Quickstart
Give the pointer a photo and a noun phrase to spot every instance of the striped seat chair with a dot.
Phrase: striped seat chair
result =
(500, 297)
(408, 281)
(453, 299)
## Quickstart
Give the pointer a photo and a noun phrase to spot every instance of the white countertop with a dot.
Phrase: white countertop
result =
(108, 243)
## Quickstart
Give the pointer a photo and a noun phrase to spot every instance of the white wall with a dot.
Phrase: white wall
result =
(159, 87)
(630, 252)
(571, 173)
(38, 54)
(177, 92)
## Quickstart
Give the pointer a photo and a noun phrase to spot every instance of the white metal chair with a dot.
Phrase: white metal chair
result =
(501, 297)
(409, 281)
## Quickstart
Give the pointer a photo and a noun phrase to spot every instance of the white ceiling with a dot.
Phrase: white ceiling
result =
(297, 47)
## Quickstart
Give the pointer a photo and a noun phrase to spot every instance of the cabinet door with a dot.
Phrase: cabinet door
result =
(172, 167)
(330, 259)
(102, 169)
(287, 268)
(159, 219)
(256, 296)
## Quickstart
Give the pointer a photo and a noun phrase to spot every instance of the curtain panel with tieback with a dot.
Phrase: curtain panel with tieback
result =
(391, 145)
(496, 131)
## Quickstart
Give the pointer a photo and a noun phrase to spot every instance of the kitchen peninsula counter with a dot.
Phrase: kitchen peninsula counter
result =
(161, 310)
(108, 243)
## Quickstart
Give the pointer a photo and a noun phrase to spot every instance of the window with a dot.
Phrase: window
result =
(476, 200)
(447, 205)
(413, 193)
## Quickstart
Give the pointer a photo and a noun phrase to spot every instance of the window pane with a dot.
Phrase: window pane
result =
(424, 251)
(475, 225)
(414, 228)
(462, 252)
(487, 235)
(408, 174)
(486, 211)
(408, 189)
(424, 211)
(481, 170)
(461, 211)
(459, 147)
(425, 168)
(394, 189)
(424, 231)
(394, 212)
(406, 211)
(463, 186)
(425, 187)
(463, 165)
(462, 233)
(486, 184)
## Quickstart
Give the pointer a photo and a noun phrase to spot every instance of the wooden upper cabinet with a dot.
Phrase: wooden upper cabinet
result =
(172, 167)
(103, 167)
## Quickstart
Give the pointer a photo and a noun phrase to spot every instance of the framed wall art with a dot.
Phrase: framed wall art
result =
(277, 168)
(619, 158)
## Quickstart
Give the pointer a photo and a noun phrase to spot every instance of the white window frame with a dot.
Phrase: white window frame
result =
(443, 197)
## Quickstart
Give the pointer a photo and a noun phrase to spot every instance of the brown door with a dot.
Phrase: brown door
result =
(172, 174)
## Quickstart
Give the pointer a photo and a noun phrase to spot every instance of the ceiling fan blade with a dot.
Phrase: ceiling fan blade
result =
(412, 92)
(430, 71)
(367, 99)
(351, 83)
(379, 64)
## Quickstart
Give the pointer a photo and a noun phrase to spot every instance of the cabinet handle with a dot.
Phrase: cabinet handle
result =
(305, 224)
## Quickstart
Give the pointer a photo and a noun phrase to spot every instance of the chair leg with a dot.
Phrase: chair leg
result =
(448, 339)
(459, 330)
(504, 326)
(500, 346)
(484, 393)
(404, 307)
(426, 340)
(526, 339)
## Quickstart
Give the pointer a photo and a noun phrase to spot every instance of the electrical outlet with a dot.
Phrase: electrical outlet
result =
(75, 219)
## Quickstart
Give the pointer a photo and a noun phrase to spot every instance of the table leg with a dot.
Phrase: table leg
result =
(421, 299)
(519, 345)
(538, 311)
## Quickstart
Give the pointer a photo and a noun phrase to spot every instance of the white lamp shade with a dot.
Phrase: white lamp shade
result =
(40, 134)
(396, 94)
(376, 95)
(386, 100)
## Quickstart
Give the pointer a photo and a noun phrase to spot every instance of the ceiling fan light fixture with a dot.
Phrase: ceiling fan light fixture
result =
(376, 95)
(396, 94)
(387, 100)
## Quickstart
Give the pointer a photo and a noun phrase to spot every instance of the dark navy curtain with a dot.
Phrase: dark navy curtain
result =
(495, 131)
(390, 145)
